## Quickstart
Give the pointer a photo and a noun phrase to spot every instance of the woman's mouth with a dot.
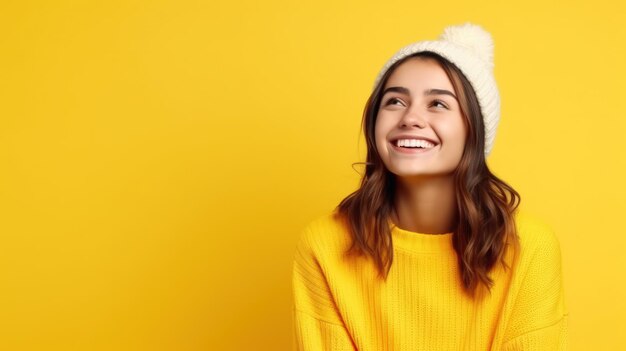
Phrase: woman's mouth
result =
(412, 146)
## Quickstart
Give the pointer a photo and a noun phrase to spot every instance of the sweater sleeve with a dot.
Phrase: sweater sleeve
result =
(539, 318)
(317, 323)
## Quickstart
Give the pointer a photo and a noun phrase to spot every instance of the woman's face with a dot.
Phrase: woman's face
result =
(420, 130)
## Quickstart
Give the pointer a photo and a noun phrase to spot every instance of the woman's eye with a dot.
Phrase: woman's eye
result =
(439, 103)
(394, 101)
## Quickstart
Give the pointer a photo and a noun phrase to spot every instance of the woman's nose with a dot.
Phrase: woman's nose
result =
(413, 119)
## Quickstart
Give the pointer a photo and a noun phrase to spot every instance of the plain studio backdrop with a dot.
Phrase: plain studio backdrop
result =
(160, 158)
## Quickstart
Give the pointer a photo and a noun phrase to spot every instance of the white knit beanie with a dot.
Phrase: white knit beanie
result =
(470, 48)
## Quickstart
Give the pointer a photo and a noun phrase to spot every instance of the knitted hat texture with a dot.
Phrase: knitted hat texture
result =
(470, 48)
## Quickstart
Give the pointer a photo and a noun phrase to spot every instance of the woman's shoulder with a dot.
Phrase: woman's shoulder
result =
(324, 233)
(532, 228)
(536, 237)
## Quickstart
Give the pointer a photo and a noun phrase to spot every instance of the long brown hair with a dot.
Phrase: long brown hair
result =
(486, 205)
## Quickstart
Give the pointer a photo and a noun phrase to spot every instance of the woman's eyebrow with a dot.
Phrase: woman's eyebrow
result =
(439, 92)
(401, 90)
(406, 91)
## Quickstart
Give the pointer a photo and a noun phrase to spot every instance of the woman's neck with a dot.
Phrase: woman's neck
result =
(425, 204)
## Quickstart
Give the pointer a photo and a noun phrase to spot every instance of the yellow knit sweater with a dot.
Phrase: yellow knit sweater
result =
(342, 304)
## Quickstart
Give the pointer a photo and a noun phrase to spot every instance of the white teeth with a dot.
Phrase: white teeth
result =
(415, 143)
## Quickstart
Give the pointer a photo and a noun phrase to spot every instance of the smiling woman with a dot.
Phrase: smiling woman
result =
(430, 253)
(411, 123)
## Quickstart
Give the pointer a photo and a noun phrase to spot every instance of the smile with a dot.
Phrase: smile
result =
(414, 143)
(410, 150)
(412, 146)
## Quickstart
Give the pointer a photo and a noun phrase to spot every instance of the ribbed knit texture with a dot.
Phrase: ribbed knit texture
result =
(342, 304)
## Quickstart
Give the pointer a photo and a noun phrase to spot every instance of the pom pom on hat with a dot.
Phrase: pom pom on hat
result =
(470, 48)
(471, 37)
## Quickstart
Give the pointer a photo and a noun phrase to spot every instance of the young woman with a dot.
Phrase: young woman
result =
(430, 253)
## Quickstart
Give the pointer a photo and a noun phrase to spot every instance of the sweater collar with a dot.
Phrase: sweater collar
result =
(420, 242)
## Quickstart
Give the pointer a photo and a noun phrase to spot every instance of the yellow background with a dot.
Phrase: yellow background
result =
(159, 158)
